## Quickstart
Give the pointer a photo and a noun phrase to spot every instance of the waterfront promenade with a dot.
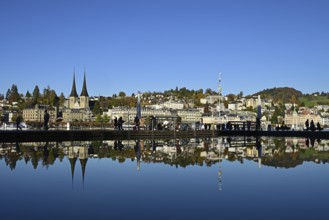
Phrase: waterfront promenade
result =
(103, 134)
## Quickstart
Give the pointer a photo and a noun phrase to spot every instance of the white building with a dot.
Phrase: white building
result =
(173, 105)
(210, 99)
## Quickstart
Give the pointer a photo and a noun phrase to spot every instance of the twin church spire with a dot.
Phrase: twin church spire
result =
(74, 101)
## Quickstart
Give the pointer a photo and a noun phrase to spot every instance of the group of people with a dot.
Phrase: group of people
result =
(311, 126)
(118, 123)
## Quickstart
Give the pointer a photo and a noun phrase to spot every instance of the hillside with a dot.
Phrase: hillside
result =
(283, 95)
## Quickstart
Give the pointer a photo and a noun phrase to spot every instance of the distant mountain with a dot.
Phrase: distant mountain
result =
(283, 94)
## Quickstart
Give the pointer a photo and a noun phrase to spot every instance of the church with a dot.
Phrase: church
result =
(77, 108)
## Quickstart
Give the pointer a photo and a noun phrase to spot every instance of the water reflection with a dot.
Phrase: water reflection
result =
(275, 152)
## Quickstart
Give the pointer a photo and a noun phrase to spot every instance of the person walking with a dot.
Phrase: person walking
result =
(115, 123)
(46, 120)
(18, 122)
(312, 126)
(120, 123)
(307, 125)
(136, 120)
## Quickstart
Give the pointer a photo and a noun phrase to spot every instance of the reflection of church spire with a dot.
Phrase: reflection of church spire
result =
(83, 163)
(72, 162)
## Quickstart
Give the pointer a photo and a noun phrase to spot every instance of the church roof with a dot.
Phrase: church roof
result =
(74, 89)
(84, 91)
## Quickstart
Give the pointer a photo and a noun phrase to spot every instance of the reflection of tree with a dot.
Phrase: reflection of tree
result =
(34, 159)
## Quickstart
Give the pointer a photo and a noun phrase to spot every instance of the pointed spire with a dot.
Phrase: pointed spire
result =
(83, 163)
(84, 91)
(74, 89)
(72, 162)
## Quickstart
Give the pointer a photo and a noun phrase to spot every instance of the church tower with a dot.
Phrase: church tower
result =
(74, 94)
(84, 97)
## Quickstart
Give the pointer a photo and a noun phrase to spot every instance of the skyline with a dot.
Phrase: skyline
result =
(149, 45)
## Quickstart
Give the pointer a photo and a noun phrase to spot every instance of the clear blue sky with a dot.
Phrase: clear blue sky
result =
(156, 45)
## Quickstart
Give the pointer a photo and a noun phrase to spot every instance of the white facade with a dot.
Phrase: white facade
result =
(173, 105)
(210, 99)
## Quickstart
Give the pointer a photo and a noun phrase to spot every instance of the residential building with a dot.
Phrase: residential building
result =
(36, 113)
(210, 99)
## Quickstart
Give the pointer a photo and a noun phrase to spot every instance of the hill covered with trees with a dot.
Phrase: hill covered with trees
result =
(281, 95)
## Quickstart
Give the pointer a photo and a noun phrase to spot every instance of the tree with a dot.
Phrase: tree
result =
(61, 99)
(28, 94)
(106, 119)
(209, 91)
(99, 118)
(122, 94)
(240, 95)
(8, 94)
(14, 95)
(97, 109)
(231, 97)
(36, 95)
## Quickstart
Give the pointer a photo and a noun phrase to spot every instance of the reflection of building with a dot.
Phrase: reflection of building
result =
(75, 152)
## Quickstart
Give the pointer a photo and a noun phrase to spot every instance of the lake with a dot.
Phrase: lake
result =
(212, 178)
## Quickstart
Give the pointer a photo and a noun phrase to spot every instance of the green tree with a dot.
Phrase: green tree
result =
(122, 94)
(106, 119)
(8, 94)
(231, 97)
(209, 91)
(36, 95)
(96, 109)
(14, 95)
(28, 94)
(99, 118)
(61, 99)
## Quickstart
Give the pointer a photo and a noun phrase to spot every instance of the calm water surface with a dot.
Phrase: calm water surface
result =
(171, 179)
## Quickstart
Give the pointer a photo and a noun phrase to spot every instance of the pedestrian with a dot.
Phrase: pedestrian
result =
(142, 123)
(312, 126)
(18, 122)
(115, 123)
(120, 123)
(307, 125)
(45, 120)
(257, 123)
(248, 125)
(318, 126)
(136, 120)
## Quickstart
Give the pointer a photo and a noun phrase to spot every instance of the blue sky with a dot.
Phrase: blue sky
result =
(156, 45)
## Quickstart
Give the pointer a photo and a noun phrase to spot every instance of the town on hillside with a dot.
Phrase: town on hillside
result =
(191, 109)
